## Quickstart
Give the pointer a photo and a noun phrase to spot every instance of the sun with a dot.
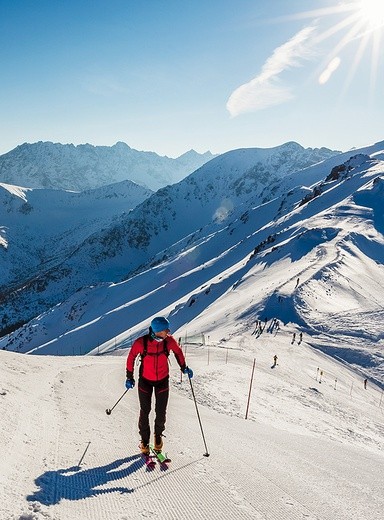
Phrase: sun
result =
(357, 23)
(372, 13)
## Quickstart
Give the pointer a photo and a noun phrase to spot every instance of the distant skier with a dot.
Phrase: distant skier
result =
(274, 361)
(365, 383)
(154, 349)
(256, 330)
(293, 338)
(300, 337)
(297, 282)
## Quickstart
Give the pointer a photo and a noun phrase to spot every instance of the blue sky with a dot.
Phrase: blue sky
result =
(168, 76)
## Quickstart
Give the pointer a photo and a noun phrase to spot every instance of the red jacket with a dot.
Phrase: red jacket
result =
(154, 366)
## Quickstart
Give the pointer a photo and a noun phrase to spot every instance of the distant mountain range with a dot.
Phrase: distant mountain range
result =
(82, 167)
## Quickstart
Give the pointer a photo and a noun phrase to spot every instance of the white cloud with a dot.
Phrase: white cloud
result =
(327, 73)
(264, 90)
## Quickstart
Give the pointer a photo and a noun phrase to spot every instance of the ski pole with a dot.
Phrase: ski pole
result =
(206, 454)
(108, 411)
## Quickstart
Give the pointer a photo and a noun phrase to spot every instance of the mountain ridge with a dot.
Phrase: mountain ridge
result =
(85, 166)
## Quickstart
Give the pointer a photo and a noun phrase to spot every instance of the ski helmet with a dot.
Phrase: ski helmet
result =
(159, 323)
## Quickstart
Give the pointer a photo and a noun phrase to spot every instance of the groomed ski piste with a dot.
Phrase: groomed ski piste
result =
(310, 448)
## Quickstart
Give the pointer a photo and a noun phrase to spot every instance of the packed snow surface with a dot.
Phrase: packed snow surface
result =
(311, 446)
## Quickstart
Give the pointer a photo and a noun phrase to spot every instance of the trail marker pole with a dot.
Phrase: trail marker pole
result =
(250, 388)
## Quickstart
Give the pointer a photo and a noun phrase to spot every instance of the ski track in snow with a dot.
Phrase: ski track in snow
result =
(65, 459)
(99, 488)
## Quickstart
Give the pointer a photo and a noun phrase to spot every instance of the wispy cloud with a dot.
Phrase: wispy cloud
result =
(265, 89)
(330, 69)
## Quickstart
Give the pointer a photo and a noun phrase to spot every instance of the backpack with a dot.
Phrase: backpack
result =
(145, 351)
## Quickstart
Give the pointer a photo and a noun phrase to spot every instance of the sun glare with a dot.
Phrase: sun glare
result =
(358, 23)
(372, 12)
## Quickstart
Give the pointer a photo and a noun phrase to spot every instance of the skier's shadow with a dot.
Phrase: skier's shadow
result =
(75, 483)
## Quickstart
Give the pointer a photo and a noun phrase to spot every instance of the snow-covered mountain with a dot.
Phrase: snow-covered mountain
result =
(297, 238)
(82, 167)
(233, 180)
(41, 227)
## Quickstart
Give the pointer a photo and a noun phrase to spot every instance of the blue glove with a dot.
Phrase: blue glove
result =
(130, 383)
(188, 371)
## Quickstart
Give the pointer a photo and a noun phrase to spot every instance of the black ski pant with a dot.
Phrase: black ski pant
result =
(146, 389)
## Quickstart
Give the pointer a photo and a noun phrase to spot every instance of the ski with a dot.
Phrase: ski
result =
(149, 461)
(161, 457)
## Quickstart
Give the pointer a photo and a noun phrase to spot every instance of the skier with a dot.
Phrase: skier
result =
(154, 349)
(274, 361)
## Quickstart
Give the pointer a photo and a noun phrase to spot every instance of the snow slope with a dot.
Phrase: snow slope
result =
(308, 449)
(332, 242)
(220, 190)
